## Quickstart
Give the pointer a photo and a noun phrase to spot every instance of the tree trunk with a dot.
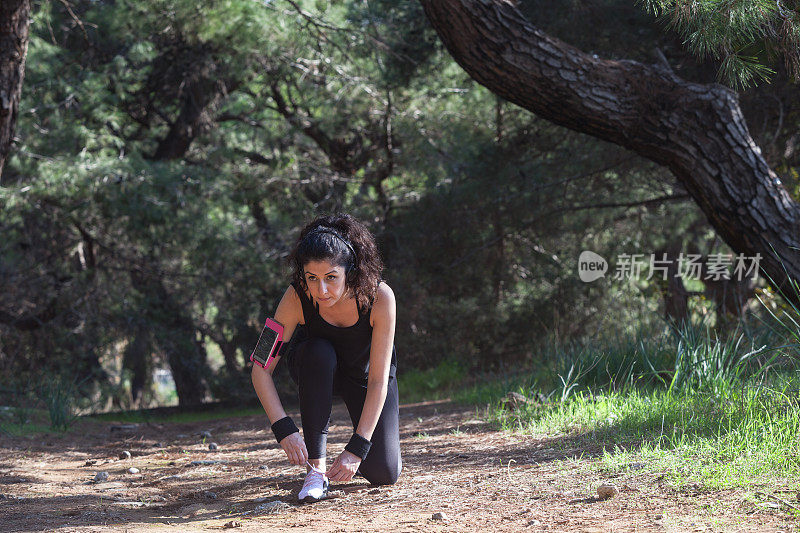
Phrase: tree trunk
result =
(229, 354)
(203, 93)
(175, 333)
(15, 19)
(695, 130)
(135, 359)
(190, 123)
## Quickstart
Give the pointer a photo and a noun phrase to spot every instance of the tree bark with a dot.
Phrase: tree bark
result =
(695, 130)
(15, 19)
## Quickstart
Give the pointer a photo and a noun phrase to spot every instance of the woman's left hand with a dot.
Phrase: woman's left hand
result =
(344, 468)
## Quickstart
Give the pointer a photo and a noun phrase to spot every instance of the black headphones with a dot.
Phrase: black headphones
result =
(322, 229)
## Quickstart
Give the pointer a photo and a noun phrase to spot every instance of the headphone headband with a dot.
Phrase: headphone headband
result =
(331, 231)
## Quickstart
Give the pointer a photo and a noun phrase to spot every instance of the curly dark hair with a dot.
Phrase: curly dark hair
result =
(342, 240)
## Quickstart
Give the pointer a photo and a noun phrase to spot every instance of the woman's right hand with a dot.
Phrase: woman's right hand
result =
(295, 447)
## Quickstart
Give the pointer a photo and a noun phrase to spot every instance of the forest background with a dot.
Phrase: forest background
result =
(167, 153)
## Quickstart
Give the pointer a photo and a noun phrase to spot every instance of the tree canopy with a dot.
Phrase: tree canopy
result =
(167, 153)
(743, 36)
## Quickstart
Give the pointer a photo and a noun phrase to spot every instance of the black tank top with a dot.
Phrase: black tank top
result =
(352, 344)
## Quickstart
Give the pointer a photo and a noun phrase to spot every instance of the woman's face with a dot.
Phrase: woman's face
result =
(326, 282)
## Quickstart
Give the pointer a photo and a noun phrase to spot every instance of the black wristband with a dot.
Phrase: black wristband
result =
(283, 428)
(358, 445)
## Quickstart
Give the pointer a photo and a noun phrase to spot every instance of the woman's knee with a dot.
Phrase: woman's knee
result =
(317, 355)
(383, 473)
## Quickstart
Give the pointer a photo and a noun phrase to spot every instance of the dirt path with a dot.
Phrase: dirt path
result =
(479, 479)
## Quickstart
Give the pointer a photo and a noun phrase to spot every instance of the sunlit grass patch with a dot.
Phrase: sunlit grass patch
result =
(435, 383)
(695, 407)
(751, 436)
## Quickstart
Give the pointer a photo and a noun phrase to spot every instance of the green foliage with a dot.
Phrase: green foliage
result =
(178, 416)
(785, 313)
(432, 383)
(730, 419)
(401, 29)
(19, 404)
(708, 364)
(59, 395)
(168, 153)
(743, 35)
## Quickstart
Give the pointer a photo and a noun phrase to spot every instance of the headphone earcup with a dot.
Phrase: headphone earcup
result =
(351, 272)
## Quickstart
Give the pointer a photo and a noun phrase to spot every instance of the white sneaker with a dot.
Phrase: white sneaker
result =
(315, 487)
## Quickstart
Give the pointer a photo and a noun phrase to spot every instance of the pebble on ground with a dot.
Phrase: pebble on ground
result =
(606, 491)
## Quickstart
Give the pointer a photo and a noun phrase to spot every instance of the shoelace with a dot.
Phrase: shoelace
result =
(314, 476)
(315, 469)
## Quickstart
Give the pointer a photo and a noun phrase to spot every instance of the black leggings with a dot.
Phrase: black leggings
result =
(313, 366)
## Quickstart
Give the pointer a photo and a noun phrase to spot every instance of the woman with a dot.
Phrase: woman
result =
(344, 346)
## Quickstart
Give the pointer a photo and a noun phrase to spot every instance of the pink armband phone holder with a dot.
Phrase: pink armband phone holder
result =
(268, 344)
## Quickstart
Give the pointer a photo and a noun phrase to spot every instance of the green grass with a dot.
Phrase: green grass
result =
(59, 395)
(434, 383)
(749, 437)
(23, 430)
(36, 421)
(180, 417)
(722, 412)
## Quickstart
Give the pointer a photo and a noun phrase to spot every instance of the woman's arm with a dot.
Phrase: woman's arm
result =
(288, 314)
(288, 317)
(384, 316)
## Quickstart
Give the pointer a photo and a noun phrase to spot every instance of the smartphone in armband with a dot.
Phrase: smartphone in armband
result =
(268, 344)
